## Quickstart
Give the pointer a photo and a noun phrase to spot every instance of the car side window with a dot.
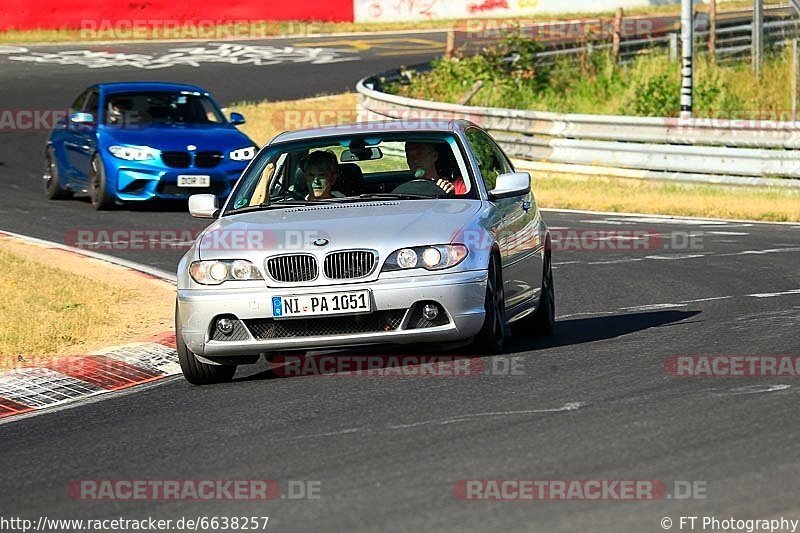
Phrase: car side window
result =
(77, 105)
(490, 163)
(92, 103)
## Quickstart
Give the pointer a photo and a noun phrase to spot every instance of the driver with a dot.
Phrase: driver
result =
(116, 111)
(322, 171)
(421, 158)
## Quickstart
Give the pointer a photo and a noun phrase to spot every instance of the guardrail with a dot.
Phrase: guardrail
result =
(641, 33)
(733, 152)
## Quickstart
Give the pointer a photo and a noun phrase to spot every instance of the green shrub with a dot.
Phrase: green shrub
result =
(514, 77)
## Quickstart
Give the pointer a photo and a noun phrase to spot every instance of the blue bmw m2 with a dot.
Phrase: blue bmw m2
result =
(139, 141)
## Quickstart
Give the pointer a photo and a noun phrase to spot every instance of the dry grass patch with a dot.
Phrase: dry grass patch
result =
(267, 119)
(56, 302)
(630, 195)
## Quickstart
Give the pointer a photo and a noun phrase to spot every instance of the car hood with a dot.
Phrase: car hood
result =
(379, 225)
(178, 137)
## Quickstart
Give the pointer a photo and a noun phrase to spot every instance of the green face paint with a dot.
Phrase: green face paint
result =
(319, 183)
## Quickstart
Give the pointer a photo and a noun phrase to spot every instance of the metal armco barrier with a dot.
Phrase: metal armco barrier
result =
(721, 151)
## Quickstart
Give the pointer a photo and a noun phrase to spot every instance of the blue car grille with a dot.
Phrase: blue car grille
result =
(177, 159)
(207, 159)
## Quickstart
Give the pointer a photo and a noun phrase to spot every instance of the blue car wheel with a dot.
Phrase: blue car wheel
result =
(98, 187)
(52, 185)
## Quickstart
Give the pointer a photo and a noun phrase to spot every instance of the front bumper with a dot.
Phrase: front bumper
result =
(147, 182)
(461, 295)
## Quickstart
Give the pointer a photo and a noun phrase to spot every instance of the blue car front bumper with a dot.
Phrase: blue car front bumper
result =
(135, 181)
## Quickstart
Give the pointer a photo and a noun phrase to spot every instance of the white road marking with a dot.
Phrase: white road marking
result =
(604, 221)
(773, 294)
(570, 406)
(649, 307)
(762, 252)
(757, 389)
(707, 299)
(738, 233)
(676, 257)
(679, 221)
(616, 261)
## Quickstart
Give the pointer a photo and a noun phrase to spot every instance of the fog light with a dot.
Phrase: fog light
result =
(430, 311)
(225, 326)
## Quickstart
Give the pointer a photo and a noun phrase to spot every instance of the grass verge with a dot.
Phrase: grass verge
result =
(269, 28)
(58, 303)
(569, 191)
(593, 83)
(266, 119)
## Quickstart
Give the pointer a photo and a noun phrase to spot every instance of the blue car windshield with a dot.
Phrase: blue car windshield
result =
(407, 165)
(161, 108)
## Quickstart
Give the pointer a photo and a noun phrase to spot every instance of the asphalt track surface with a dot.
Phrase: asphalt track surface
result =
(592, 401)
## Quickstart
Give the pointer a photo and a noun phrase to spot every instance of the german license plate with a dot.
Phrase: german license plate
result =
(193, 180)
(337, 303)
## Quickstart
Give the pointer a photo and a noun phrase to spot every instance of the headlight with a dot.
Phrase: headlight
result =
(432, 257)
(132, 153)
(215, 272)
(243, 154)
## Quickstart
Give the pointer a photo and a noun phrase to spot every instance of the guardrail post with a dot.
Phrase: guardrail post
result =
(687, 38)
(712, 29)
(795, 61)
(617, 37)
(450, 45)
(757, 38)
(673, 46)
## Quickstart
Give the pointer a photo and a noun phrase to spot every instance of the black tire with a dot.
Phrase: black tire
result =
(492, 336)
(98, 190)
(197, 372)
(52, 188)
(543, 320)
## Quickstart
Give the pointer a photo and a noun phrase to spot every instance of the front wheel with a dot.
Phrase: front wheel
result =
(98, 186)
(52, 186)
(492, 336)
(194, 371)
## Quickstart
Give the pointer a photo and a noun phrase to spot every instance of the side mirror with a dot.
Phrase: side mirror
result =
(510, 185)
(237, 118)
(82, 118)
(203, 205)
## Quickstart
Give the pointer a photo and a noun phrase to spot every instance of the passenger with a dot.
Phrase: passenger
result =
(421, 158)
(322, 171)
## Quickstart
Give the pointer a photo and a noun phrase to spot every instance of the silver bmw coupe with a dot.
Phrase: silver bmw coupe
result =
(392, 232)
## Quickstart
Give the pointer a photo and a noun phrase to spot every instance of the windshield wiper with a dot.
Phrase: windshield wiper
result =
(395, 196)
(277, 205)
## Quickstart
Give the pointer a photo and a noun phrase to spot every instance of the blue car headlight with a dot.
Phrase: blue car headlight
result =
(243, 154)
(133, 153)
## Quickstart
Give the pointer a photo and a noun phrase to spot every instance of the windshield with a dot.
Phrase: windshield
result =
(403, 166)
(161, 108)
